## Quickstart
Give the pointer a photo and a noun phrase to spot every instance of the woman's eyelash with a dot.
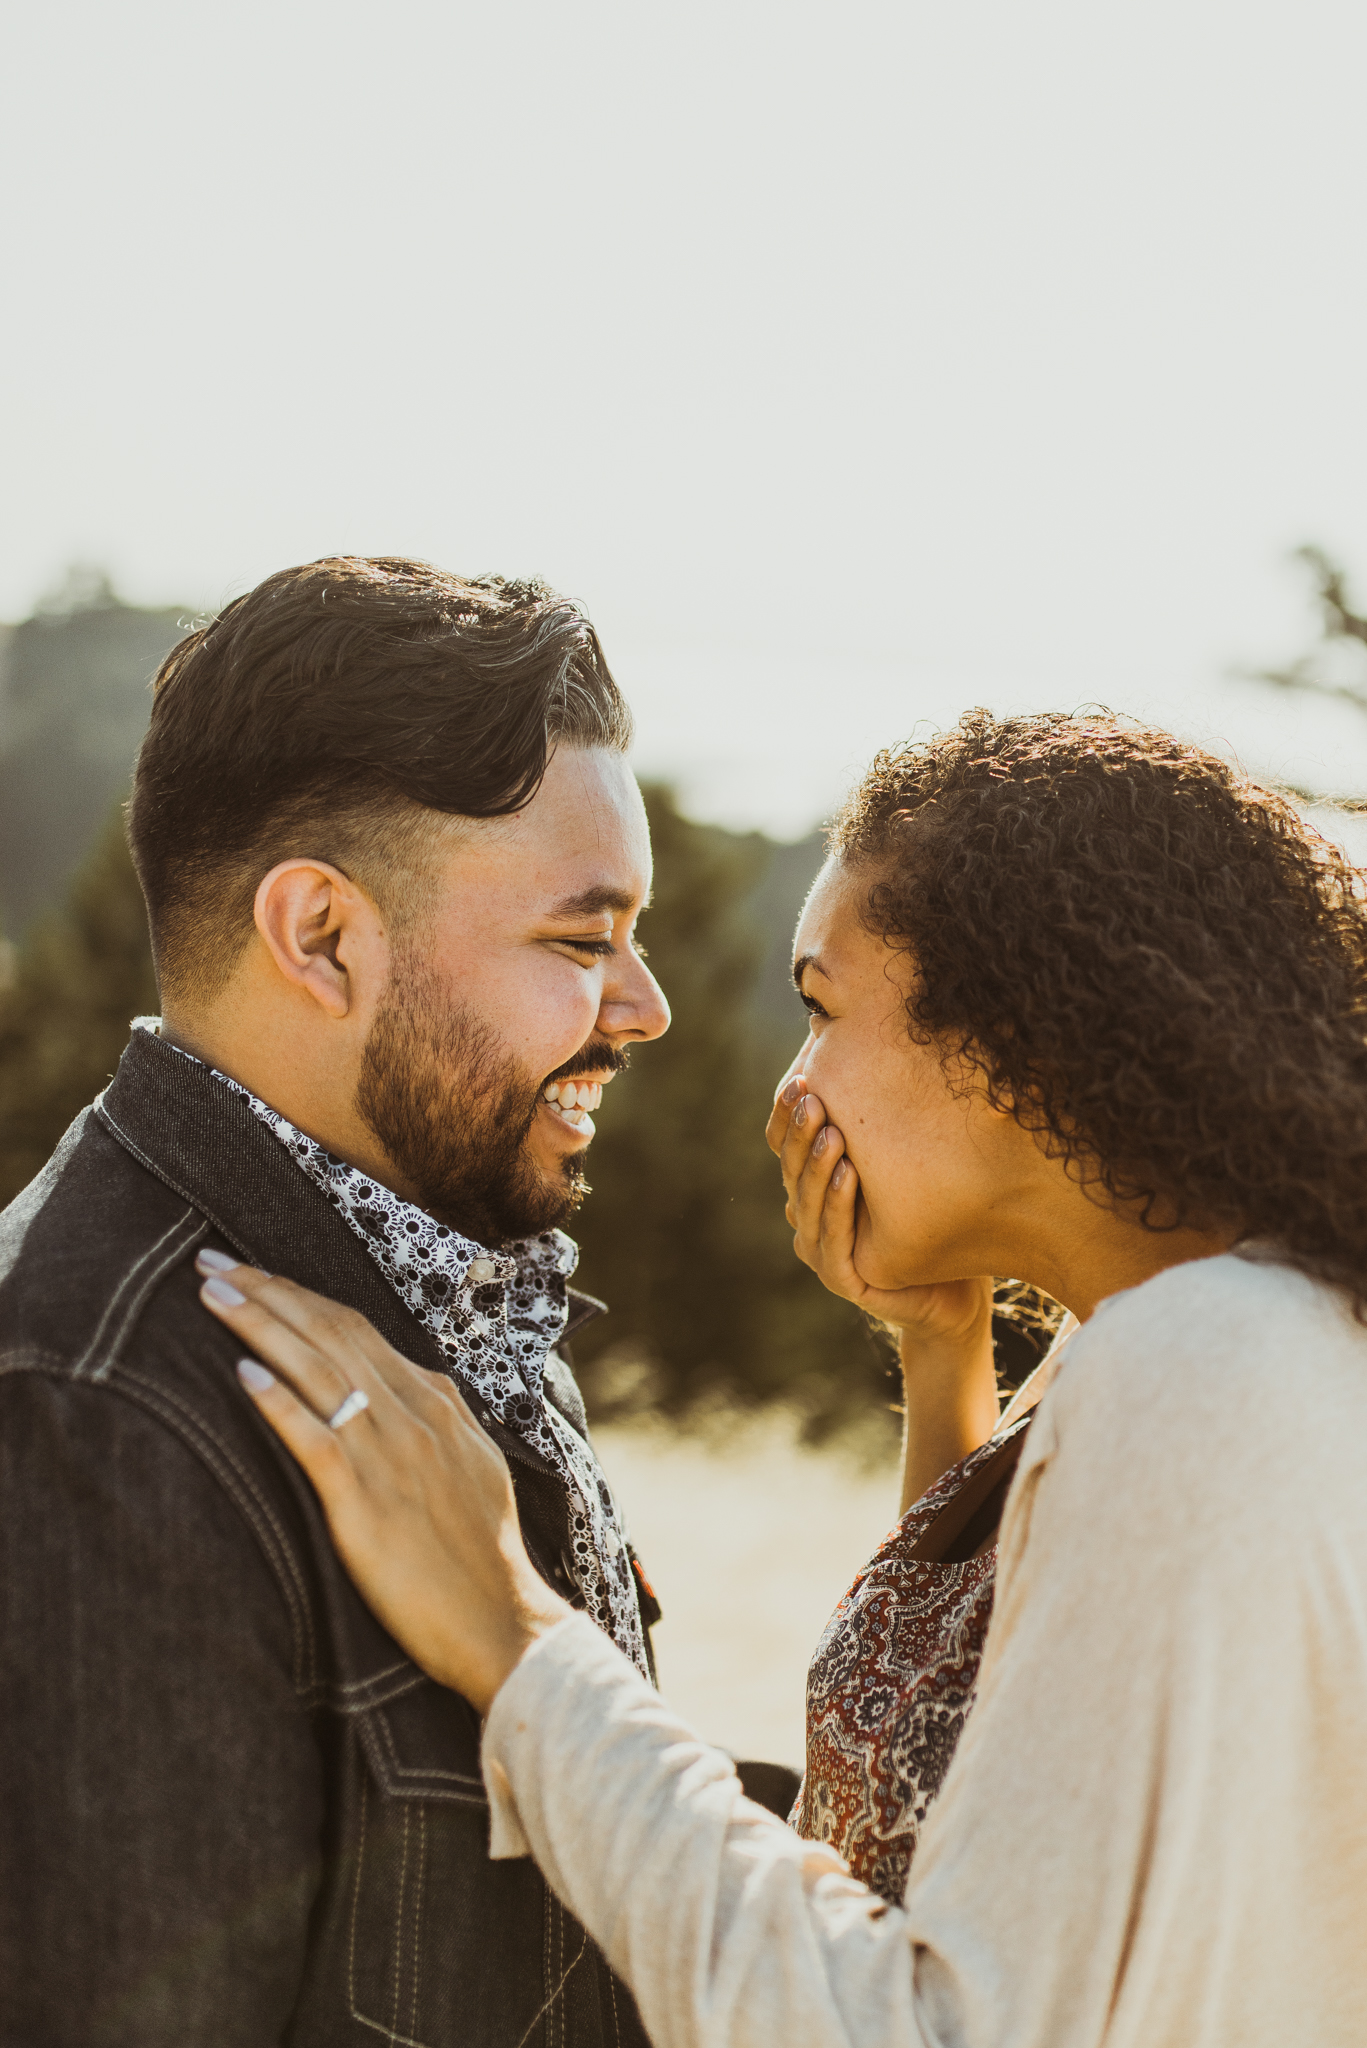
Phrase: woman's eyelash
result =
(810, 1004)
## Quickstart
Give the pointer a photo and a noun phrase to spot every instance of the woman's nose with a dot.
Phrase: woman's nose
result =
(799, 1065)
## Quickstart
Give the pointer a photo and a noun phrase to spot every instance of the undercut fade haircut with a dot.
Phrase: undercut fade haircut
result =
(1154, 964)
(339, 712)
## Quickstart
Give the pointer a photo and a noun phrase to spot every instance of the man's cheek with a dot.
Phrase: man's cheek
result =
(544, 1037)
(562, 1021)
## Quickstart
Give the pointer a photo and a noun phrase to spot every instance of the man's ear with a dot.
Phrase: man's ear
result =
(316, 925)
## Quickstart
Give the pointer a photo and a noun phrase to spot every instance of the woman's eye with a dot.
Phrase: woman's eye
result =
(598, 949)
(810, 1004)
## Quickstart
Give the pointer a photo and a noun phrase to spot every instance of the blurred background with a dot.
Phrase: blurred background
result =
(851, 366)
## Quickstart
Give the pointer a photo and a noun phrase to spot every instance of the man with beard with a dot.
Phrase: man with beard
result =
(393, 859)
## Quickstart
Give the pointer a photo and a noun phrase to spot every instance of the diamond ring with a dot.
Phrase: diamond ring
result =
(355, 1402)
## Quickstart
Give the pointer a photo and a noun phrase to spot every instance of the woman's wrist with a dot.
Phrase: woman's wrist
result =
(938, 1355)
(951, 1404)
(479, 1667)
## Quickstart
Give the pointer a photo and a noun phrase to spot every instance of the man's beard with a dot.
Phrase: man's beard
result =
(453, 1113)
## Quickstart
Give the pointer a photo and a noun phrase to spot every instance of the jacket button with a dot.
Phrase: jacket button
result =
(481, 1271)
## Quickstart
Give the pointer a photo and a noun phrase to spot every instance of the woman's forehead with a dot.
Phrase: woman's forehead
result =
(820, 909)
(832, 929)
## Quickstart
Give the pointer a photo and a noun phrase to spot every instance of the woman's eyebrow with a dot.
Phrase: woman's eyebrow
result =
(802, 963)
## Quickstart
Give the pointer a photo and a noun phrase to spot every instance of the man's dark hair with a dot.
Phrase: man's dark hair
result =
(1153, 963)
(329, 714)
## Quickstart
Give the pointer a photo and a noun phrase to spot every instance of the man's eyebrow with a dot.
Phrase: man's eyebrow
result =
(802, 963)
(592, 902)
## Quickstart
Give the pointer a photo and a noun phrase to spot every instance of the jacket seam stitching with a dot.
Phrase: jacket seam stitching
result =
(106, 1116)
(258, 1512)
(359, 1684)
(413, 1782)
(160, 1173)
(133, 1292)
(552, 1997)
(34, 1358)
(398, 1925)
(186, 1426)
(419, 1894)
(312, 1691)
(402, 1770)
(356, 1900)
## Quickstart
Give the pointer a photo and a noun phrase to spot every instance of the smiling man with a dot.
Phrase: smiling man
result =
(393, 859)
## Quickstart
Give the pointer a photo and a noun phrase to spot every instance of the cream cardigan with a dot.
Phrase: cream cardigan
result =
(1154, 1834)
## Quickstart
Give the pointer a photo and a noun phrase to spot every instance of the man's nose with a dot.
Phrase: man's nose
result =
(634, 1005)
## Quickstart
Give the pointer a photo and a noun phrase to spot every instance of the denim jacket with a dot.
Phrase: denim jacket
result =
(234, 1812)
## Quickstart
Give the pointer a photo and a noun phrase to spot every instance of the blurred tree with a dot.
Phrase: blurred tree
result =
(684, 1234)
(1338, 666)
(74, 703)
(81, 973)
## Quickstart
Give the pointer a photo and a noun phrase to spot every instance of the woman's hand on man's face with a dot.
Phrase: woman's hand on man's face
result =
(823, 1190)
(417, 1497)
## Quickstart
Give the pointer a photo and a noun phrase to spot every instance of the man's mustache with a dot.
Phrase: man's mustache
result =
(592, 1059)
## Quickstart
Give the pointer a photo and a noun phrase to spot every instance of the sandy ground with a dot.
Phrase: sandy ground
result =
(749, 1542)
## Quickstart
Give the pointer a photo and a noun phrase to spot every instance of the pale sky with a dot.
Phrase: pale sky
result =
(851, 364)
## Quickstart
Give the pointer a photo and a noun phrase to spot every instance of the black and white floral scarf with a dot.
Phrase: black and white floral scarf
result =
(496, 1316)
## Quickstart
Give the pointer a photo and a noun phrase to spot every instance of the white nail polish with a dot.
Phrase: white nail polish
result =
(224, 1293)
(210, 1261)
(253, 1376)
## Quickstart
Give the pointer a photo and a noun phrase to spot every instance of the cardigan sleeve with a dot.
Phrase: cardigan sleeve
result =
(729, 1927)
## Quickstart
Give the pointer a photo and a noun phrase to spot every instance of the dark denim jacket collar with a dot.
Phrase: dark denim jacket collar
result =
(201, 1139)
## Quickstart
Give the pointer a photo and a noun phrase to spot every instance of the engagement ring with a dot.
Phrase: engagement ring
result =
(353, 1404)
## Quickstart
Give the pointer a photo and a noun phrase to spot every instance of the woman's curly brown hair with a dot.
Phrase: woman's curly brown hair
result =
(1154, 963)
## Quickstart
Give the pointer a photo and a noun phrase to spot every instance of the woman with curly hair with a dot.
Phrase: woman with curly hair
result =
(1035, 974)
(1090, 1010)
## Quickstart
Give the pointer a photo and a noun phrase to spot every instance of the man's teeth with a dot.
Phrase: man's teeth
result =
(571, 1098)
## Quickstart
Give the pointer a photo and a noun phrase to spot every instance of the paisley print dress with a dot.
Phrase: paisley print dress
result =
(892, 1681)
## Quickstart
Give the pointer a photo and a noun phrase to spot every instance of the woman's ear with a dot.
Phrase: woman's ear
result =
(314, 924)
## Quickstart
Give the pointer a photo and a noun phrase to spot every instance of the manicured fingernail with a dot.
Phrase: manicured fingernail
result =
(800, 1113)
(210, 1261)
(841, 1171)
(792, 1091)
(819, 1141)
(223, 1293)
(254, 1377)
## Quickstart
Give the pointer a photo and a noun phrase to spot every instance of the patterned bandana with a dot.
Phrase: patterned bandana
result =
(496, 1316)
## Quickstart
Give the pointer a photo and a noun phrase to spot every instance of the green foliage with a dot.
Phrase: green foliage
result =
(684, 1233)
(82, 972)
(74, 703)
